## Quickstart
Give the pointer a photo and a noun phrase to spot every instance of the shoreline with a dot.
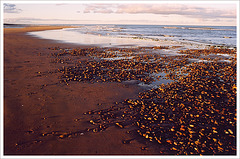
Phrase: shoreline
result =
(100, 39)
(47, 112)
(30, 110)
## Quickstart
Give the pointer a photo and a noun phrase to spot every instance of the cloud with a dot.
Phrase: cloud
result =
(161, 9)
(25, 20)
(99, 8)
(10, 8)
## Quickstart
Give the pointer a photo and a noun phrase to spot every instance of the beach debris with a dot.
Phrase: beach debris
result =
(30, 131)
(144, 147)
(193, 115)
(119, 125)
(184, 115)
(127, 141)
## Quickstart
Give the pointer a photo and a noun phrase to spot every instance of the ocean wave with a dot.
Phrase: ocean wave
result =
(198, 28)
(194, 34)
(104, 28)
(171, 27)
(204, 28)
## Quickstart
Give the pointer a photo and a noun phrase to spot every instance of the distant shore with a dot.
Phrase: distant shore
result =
(33, 28)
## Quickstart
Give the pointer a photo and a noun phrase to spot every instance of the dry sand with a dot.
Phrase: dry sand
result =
(31, 110)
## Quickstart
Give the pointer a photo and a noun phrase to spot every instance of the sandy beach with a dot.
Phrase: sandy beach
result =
(70, 99)
(31, 110)
(116, 80)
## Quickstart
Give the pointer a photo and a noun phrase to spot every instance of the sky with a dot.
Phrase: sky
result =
(153, 13)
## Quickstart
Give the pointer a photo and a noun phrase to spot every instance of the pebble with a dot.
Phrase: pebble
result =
(194, 115)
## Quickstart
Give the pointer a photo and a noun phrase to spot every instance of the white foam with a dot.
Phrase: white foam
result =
(69, 36)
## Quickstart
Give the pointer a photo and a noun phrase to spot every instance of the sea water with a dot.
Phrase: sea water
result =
(143, 35)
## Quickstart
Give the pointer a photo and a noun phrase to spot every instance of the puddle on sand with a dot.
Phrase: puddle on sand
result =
(227, 55)
(158, 79)
(165, 52)
(228, 61)
(118, 58)
(198, 60)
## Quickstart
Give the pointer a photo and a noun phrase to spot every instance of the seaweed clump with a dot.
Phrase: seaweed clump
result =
(195, 115)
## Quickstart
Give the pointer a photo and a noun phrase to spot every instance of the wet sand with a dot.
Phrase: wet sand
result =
(65, 99)
(36, 105)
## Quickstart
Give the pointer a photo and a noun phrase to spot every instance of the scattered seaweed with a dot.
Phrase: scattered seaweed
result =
(194, 115)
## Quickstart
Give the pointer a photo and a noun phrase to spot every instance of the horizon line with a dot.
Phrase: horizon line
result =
(114, 24)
